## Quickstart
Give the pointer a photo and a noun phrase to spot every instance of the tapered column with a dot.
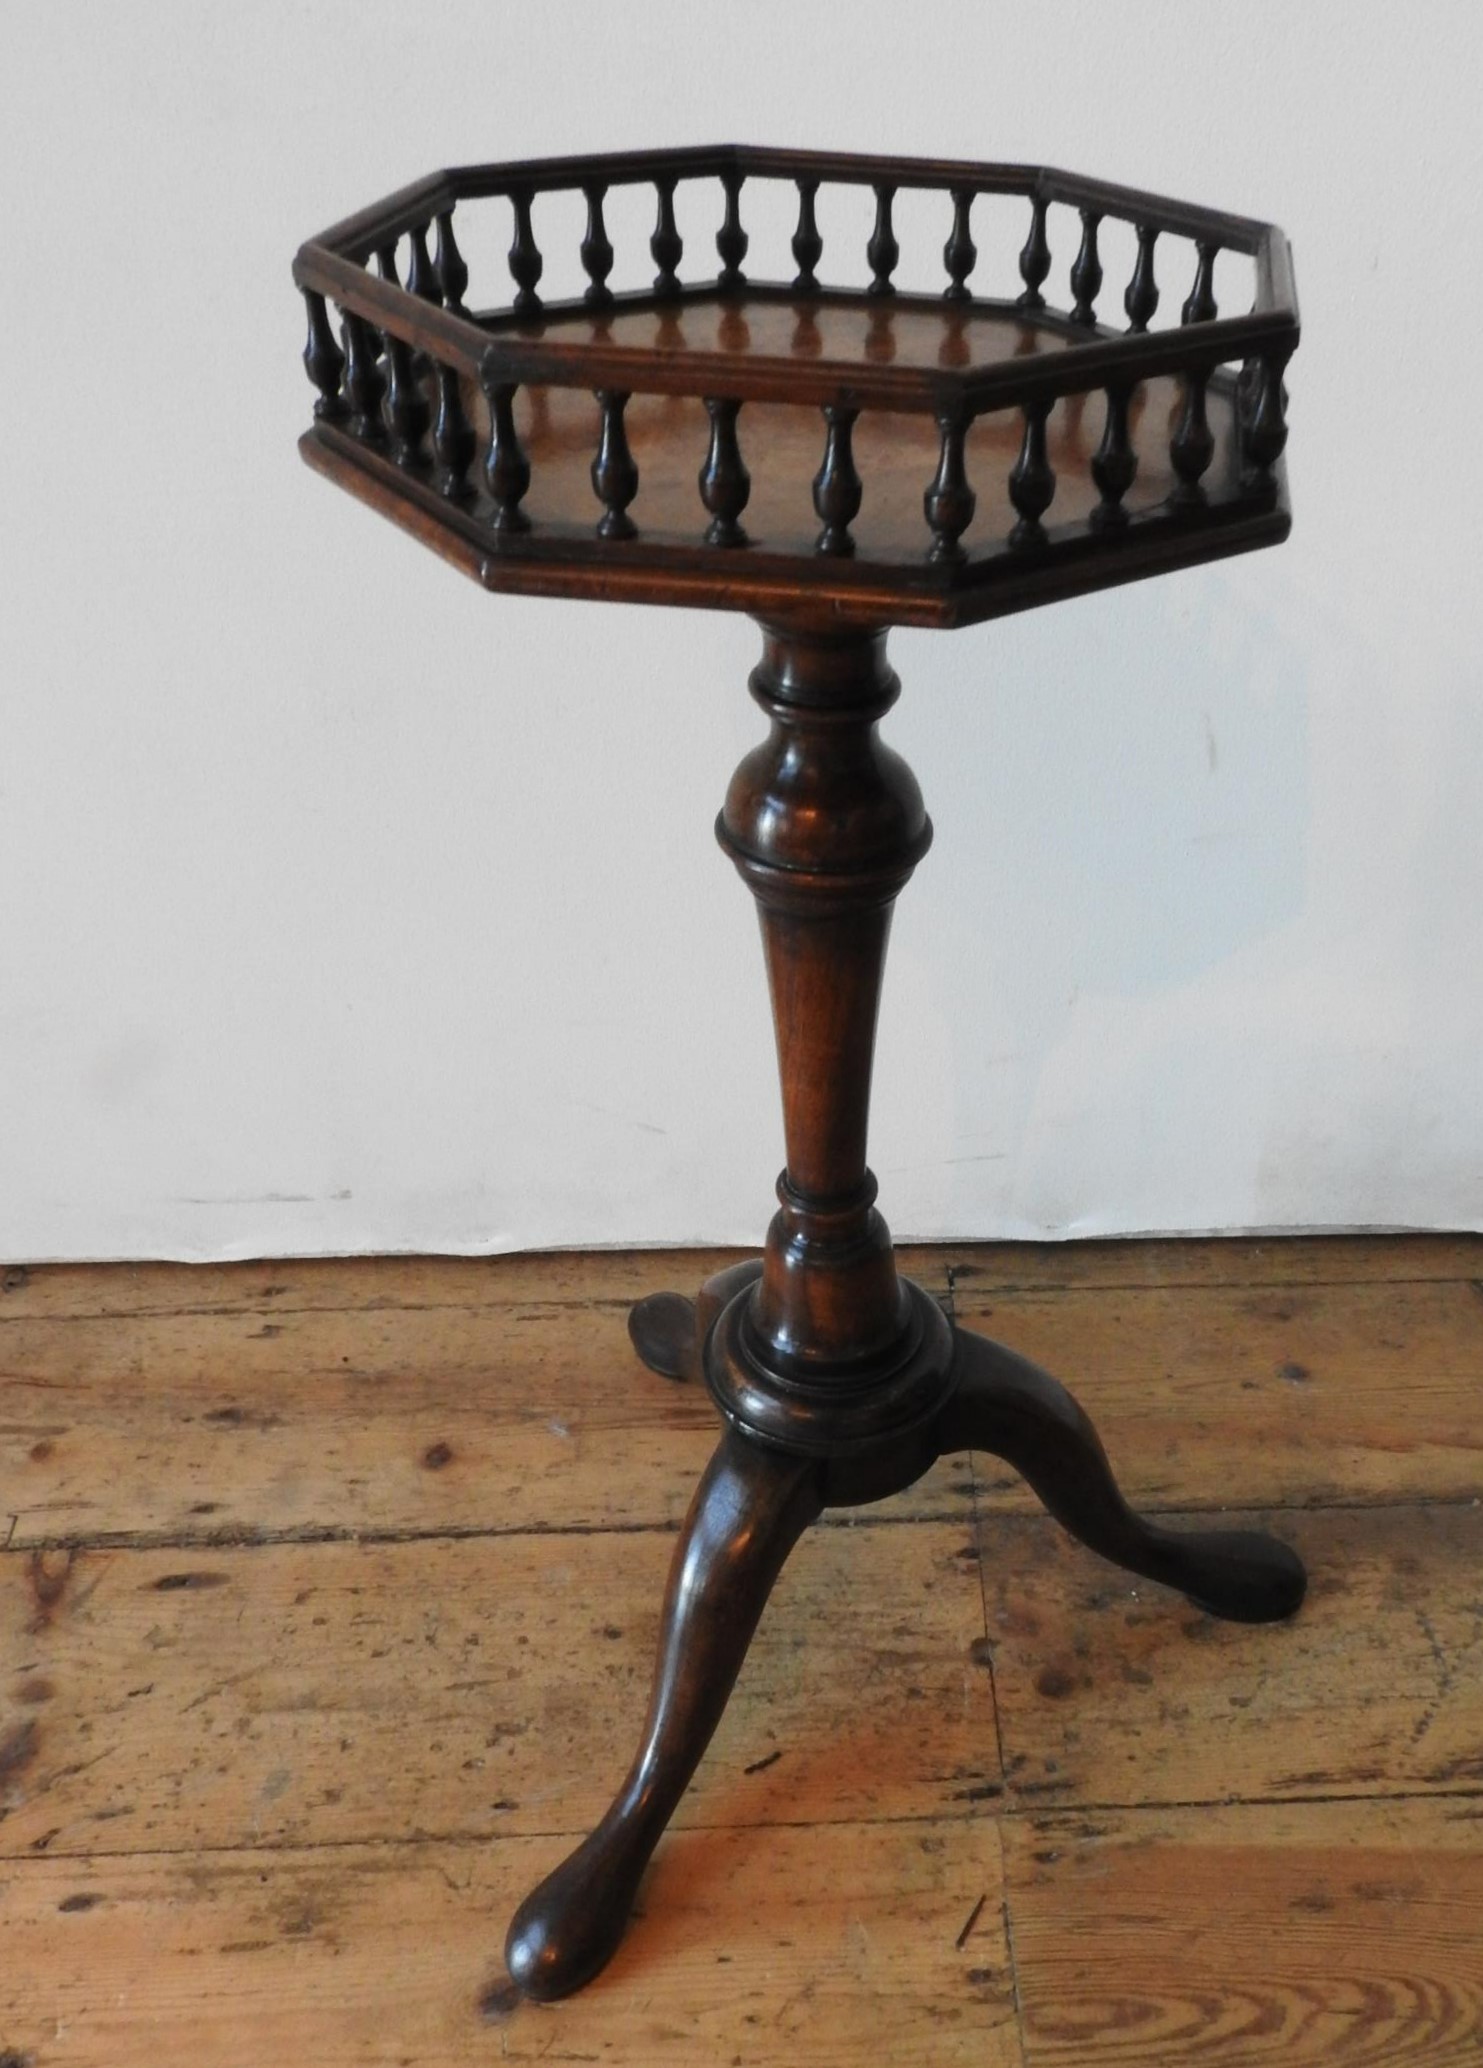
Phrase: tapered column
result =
(825, 824)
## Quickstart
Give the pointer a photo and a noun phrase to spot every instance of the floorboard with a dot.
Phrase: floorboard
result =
(328, 1592)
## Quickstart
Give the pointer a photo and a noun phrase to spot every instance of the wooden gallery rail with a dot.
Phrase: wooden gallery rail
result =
(422, 392)
(834, 459)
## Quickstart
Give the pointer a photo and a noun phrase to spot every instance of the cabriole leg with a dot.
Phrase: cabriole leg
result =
(749, 1510)
(1007, 1406)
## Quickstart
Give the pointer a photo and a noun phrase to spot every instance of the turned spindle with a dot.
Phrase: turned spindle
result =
(882, 252)
(725, 483)
(364, 386)
(506, 469)
(1264, 433)
(666, 246)
(1192, 447)
(949, 502)
(422, 279)
(837, 487)
(1201, 306)
(1086, 272)
(615, 478)
(449, 265)
(808, 245)
(324, 362)
(596, 250)
(731, 238)
(1035, 257)
(453, 438)
(960, 253)
(1142, 296)
(525, 261)
(1114, 464)
(1032, 482)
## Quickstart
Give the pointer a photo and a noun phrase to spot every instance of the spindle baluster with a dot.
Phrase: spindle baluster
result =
(725, 483)
(949, 502)
(808, 245)
(386, 267)
(386, 264)
(506, 469)
(453, 438)
(1142, 296)
(731, 238)
(1035, 258)
(1114, 464)
(1086, 273)
(364, 386)
(1265, 430)
(615, 478)
(324, 362)
(1201, 306)
(1192, 447)
(421, 279)
(525, 261)
(452, 272)
(1032, 481)
(596, 249)
(666, 247)
(959, 254)
(837, 486)
(406, 411)
(882, 252)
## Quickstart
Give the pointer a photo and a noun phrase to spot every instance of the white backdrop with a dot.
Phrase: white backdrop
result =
(346, 907)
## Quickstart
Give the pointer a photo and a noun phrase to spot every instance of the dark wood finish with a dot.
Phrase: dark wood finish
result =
(888, 357)
(406, 411)
(725, 483)
(1032, 484)
(749, 1511)
(839, 1380)
(1142, 296)
(1200, 305)
(1115, 464)
(615, 478)
(1035, 258)
(669, 1331)
(1192, 447)
(506, 469)
(526, 263)
(960, 254)
(731, 238)
(807, 245)
(826, 1357)
(452, 269)
(1007, 1406)
(596, 250)
(363, 383)
(838, 490)
(883, 251)
(453, 439)
(949, 503)
(666, 246)
(1086, 270)
(324, 362)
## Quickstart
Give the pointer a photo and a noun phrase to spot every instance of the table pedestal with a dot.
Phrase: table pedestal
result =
(838, 1381)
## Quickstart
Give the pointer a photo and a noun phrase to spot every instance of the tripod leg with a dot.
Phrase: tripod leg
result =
(1008, 1406)
(668, 1330)
(750, 1508)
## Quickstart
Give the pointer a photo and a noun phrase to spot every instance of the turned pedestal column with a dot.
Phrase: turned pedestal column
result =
(839, 1381)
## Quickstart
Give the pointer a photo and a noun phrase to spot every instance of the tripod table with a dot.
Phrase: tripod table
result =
(834, 460)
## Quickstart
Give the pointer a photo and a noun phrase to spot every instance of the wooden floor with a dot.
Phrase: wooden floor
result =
(329, 1594)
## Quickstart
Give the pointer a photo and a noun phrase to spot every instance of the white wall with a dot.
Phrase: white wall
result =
(346, 907)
